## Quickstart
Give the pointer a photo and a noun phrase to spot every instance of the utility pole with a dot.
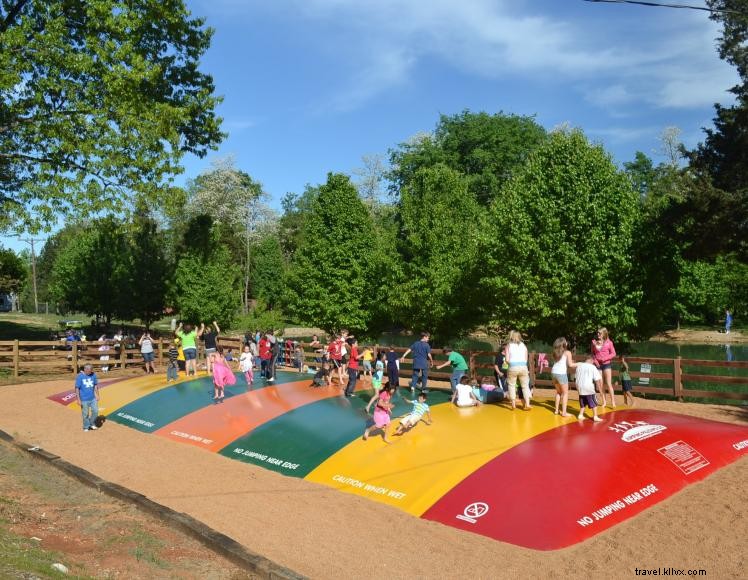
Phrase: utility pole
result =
(33, 267)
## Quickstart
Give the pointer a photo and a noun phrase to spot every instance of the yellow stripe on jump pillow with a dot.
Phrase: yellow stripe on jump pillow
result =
(418, 468)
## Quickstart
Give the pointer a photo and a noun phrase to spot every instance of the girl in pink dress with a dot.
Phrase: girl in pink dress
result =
(603, 353)
(222, 375)
(382, 412)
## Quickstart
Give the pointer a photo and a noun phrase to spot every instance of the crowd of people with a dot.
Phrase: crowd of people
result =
(343, 362)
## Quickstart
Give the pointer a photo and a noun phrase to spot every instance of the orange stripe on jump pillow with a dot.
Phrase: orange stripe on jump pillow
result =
(216, 426)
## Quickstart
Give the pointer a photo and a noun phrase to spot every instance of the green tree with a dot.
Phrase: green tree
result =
(237, 206)
(206, 278)
(99, 101)
(148, 270)
(705, 289)
(656, 250)
(296, 211)
(485, 148)
(12, 271)
(331, 280)
(45, 262)
(720, 193)
(438, 243)
(558, 243)
(91, 273)
(268, 270)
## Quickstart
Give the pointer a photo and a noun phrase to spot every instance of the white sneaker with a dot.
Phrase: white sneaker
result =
(84, 429)
(93, 427)
(597, 420)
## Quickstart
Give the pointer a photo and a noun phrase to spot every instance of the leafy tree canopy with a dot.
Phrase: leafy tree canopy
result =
(12, 271)
(91, 273)
(558, 243)
(268, 270)
(485, 148)
(722, 158)
(207, 289)
(99, 100)
(438, 244)
(331, 279)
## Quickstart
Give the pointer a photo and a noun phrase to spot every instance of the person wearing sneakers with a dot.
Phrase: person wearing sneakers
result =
(87, 389)
(588, 377)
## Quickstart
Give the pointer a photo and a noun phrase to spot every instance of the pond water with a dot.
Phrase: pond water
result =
(735, 352)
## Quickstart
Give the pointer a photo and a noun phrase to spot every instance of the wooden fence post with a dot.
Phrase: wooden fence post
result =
(75, 357)
(161, 352)
(122, 355)
(532, 370)
(471, 365)
(16, 359)
(677, 381)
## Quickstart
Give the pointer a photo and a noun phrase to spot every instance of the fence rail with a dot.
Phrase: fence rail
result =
(673, 377)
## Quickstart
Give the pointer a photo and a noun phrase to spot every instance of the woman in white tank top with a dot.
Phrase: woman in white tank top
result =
(516, 355)
(560, 373)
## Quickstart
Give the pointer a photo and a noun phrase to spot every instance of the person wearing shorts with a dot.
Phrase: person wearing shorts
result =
(209, 336)
(335, 350)
(588, 377)
(146, 350)
(626, 383)
(562, 362)
(188, 336)
(420, 409)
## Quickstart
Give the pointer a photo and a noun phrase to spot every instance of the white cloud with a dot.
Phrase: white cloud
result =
(625, 134)
(667, 59)
(236, 125)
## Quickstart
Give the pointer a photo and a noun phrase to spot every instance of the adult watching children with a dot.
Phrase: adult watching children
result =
(517, 356)
(421, 362)
(87, 389)
(603, 353)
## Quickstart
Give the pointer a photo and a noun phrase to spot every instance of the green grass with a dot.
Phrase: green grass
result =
(21, 557)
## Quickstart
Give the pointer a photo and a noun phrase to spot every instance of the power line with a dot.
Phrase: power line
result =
(668, 5)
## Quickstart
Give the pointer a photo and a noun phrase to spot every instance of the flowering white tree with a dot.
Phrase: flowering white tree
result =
(232, 198)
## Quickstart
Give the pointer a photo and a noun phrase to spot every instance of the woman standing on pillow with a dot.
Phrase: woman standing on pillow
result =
(603, 353)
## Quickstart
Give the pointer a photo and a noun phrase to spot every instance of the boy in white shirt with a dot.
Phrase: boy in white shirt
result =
(588, 376)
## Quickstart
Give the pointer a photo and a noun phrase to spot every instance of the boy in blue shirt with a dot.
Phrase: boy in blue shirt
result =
(420, 408)
(87, 389)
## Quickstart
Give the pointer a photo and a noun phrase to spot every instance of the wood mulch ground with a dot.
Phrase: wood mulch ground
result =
(323, 533)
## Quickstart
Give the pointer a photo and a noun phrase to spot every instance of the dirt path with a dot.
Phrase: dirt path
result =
(323, 533)
(702, 336)
(48, 517)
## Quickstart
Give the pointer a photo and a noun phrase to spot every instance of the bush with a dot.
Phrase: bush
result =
(261, 318)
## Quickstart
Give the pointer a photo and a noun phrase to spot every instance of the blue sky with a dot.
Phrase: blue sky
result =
(310, 86)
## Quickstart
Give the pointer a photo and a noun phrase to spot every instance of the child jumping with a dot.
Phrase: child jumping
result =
(420, 408)
(246, 364)
(381, 412)
(222, 375)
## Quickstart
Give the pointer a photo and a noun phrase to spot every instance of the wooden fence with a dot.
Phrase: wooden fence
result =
(672, 377)
(34, 356)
